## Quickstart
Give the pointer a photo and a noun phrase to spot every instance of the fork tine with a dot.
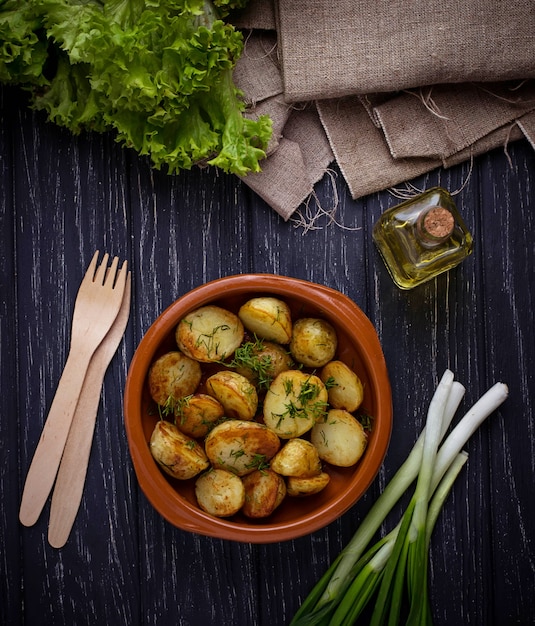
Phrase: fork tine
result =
(116, 279)
(100, 274)
(113, 274)
(90, 272)
(123, 272)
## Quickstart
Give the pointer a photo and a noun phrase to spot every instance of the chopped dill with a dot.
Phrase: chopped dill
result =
(208, 340)
(249, 356)
(236, 454)
(308, 391)
(288, 386)
(173, 406)
(258, 462)
(330, 383)
(366, 420)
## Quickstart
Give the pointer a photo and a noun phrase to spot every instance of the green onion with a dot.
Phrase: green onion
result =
(393, 572)
(363, 586)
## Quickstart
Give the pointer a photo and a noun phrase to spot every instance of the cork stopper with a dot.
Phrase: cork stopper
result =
(436, 224)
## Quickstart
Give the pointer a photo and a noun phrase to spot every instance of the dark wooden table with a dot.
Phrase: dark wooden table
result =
(62, 198)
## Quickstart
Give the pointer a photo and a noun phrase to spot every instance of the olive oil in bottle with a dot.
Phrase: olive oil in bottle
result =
(422, 237)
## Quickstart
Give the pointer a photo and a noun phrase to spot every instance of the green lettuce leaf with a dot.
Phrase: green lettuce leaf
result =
(159, 74)
(23, 47)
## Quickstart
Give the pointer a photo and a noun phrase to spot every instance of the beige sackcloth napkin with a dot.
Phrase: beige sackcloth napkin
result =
(389, 89)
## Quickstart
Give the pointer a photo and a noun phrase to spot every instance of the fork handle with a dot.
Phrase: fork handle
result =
(47, 456)
(70, 480)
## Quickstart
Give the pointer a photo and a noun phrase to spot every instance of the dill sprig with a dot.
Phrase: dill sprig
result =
(258, 462)
(304, 405)
(249, 356)
(173, 406)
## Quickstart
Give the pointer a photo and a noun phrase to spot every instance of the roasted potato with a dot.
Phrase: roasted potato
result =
(240, 446)
(294, 402)
(177, 454)
(220, 493)
(237, 394)
(261, 361)
(340, 438)
(296, 486)
(209, 334)
(313, 342)
(197, 414)
(264, 491)
(173, 376)
(228, 365)
(345, 388)
(298, 457)
(268, 318)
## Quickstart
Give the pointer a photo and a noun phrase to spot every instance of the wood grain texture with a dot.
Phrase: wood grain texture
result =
(63, 197)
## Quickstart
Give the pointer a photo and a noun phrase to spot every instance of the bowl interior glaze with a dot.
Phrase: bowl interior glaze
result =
(358, 347)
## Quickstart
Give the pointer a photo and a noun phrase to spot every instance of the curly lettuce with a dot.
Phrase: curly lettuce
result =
(159, 74)
(23, 47)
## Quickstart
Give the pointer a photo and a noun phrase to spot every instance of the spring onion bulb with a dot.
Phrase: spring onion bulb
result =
(393, 571)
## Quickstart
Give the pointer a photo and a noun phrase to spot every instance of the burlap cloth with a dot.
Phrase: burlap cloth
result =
(390, 89)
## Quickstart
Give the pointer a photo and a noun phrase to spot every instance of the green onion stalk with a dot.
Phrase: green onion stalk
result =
(393, 572)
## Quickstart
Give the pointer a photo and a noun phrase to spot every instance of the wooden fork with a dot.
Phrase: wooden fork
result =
(97, 305)
(69, 486)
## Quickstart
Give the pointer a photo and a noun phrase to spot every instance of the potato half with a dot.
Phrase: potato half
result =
(197, 414)
(298, 457)
(264, 492)
(235, 392)
(268, 318)
(345, 387)
(294, 402)
(340, 438)
(209, 334)
(240, 447)
(296, 486)
(314, 342)
(173, 376)
(220, 493)
(178, 455)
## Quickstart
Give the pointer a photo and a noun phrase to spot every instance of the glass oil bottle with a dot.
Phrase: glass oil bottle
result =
(422, 237)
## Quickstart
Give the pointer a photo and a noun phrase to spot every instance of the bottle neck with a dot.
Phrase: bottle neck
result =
(435, 225)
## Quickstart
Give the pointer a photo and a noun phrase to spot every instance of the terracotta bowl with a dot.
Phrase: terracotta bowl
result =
(358, 347)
